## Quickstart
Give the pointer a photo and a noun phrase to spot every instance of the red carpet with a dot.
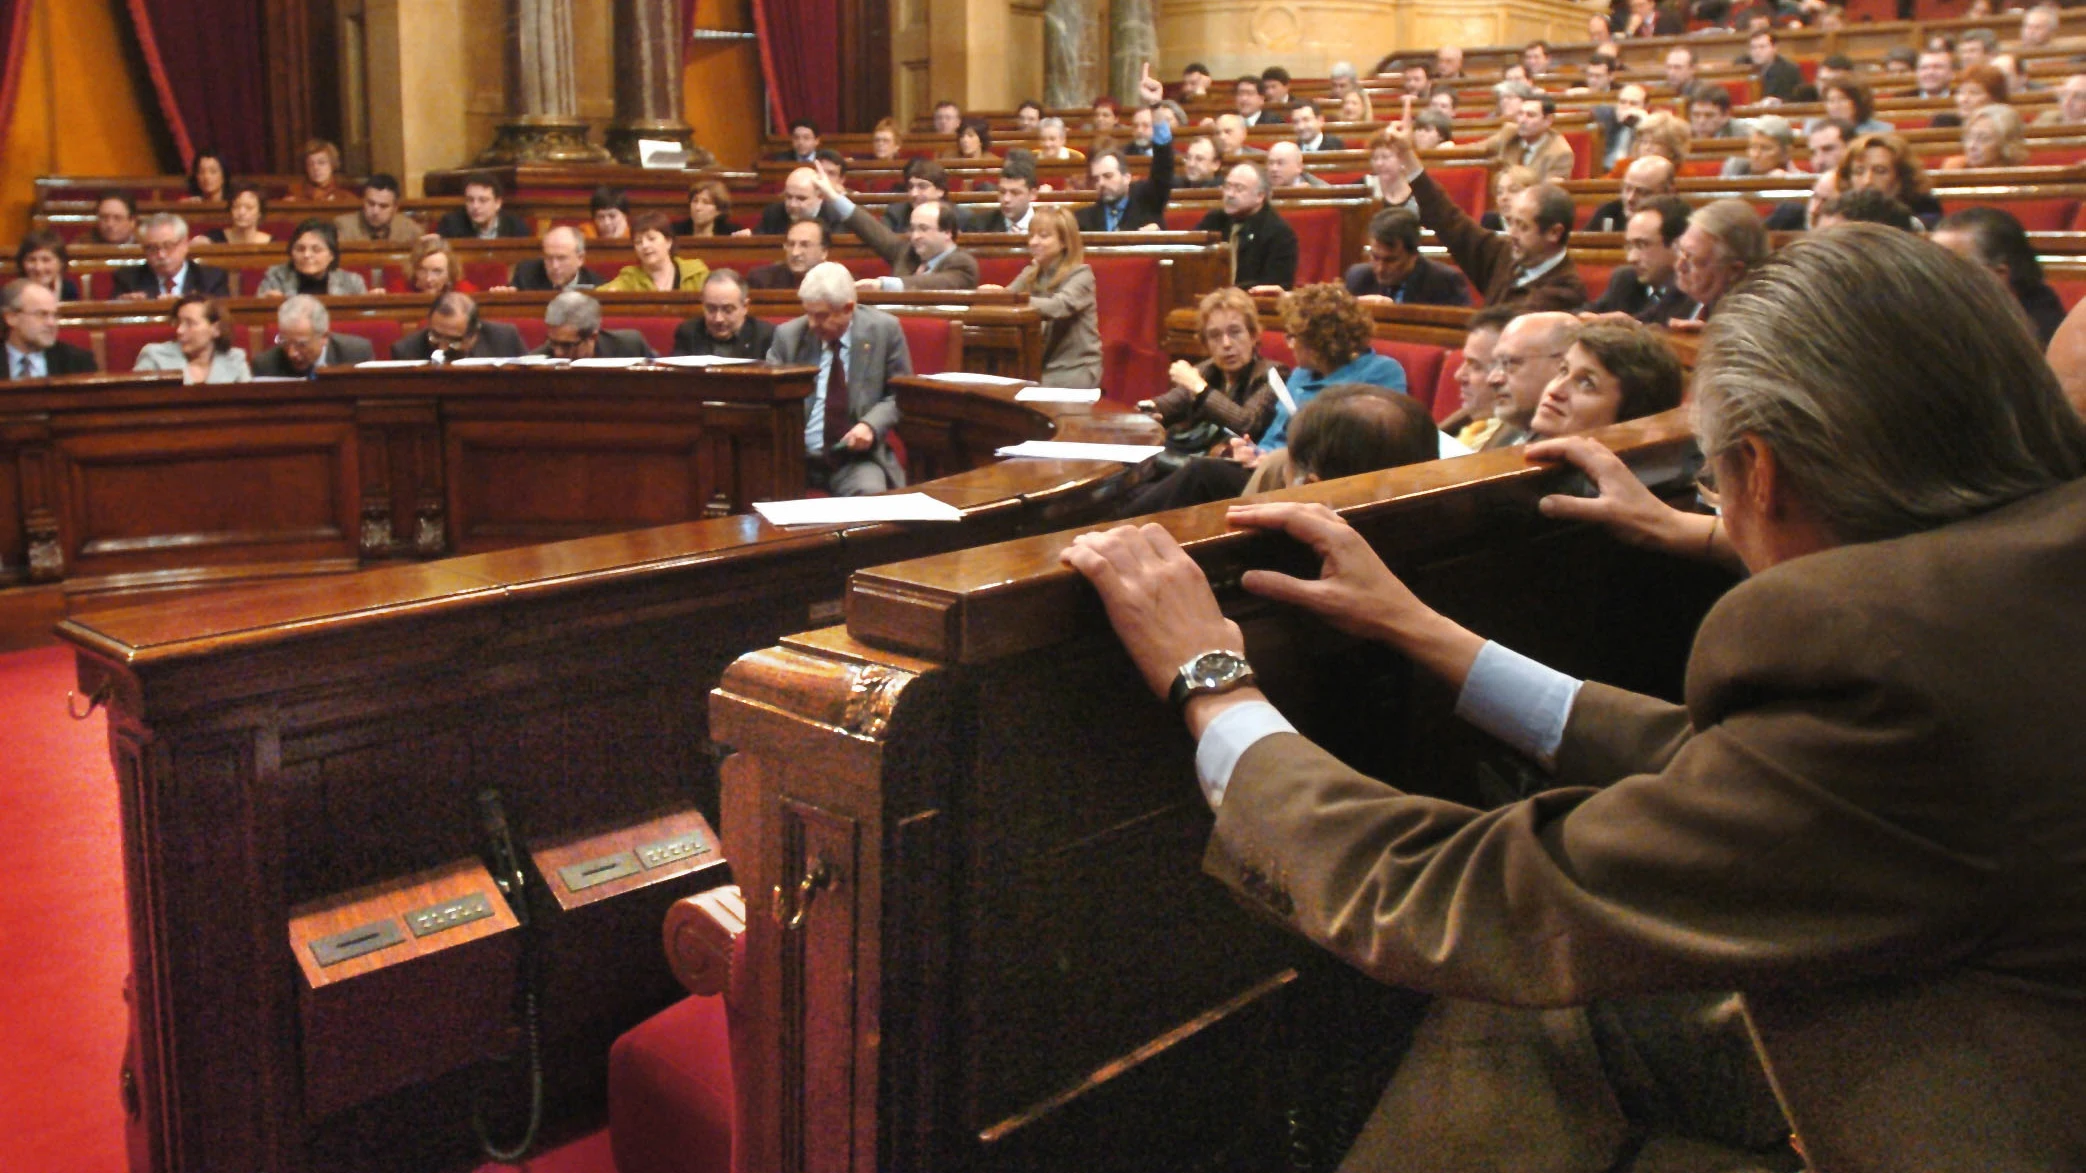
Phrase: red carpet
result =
(64, 947)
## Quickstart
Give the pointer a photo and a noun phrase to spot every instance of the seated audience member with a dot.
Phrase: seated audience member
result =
(1828, 141)
(608, 210)
(1202, 163)
(1649, 19)
(1975, 48)
(1724, 240)
(1848, 100)
(1613, 372)
(1028, 116)
(833, 165)
(858, 350)
(1309, 128)
(887, 142)
(1526, 265)
(572, 330)
(321, 174)
(1659, 133)
(1249, 99)
(41, 257)
(1474, 421)
(1600, 76)
(305, 342)
(207, 178)
(1274, 87)
(435, 268)
(199, 349)
(1901, 60)
(1768, 149)
(1124, 204)
(1142, 122)
(246, 207)
(1195, 82)
(926, 257)
(800, 201)
(1887, 163)
(709, 212)
(1016, 186)
(1993, 238)
(1285, 165)
(1532, 142)
(1431, 129)
(1227, 396)
(483, 216)
(1509, 97)
(973, 142)
(1933, 74)
(2071, 103)
(1645, 288)
(725, 328)
(804, 245)
(116, 219)
(1832, 67)
(1414, 79)
(1644, 179)
(30, 311)
(803, 143)
(1356, 106)
(1618, 125)
(2039, 26)
(1061, 288)
(313, 267)
(1864, 206)
(1993, 137)
(1050, 143)
(1263, 245)
(1535, 58)
(1527, 358)
(562, 267)
(1347, 430)
(1709, 113)
(1777, 76)
(1975, 89)
(455, 328)
(1231, 138)
(1448, 63)
(926, 182)
(1342, 79)
(167, 271)
(1836, 706)
(379, 218)
(658, 268)
(947, 117)
(1395, 270)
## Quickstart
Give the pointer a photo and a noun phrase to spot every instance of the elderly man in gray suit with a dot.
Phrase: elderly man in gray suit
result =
(857, 351)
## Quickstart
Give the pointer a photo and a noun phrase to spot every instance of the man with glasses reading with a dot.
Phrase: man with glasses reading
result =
(572, 325)
(167, 271)
(454, 328)
(725, 329)
(304, 342)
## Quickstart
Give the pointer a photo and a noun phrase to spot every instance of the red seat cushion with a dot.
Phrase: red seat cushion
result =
(1129, 316)
(1596, 278)
(1469, 186)
(658, 329)
(928, 341)
(2037, 215)
(670, 1091)
(381, 332)
(1422, 363)
(485, 274)
(1274, 347)
(1581, 142)
(124, 342)
(865, 266)
(1000, 270)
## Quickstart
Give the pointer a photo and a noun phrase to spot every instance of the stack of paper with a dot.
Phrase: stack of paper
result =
(986, 380)
(700, 360)
(1058, 395)
(610, 364)
(1065, 450)
(385, 364)
(858, 510)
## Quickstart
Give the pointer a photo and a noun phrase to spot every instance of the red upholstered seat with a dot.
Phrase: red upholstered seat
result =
(1318, 243)
(485, 274)
(84, 339)
(1711, 167)
(2056, 156)
(246, 279)
(1741, 90)
(1448, 395)
(658, 329)
(2038, 215)
(122, 343)
(1000, 270)
(865, 266)
(1596, 278)
(1274, 347)
(1422, 363)
(381, 332)
(928, 339)
(1179, 219)
(1128, 313)
(1469, 186)
(1872, 10)
(1581, 142)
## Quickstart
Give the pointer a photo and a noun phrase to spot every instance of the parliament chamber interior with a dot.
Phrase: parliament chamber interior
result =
(615, 586)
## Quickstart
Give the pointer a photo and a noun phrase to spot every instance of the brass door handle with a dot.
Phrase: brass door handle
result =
(790, 912)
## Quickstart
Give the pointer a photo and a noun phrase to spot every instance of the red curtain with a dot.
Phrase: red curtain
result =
(207, 62)
(14, 43)
(800, 58)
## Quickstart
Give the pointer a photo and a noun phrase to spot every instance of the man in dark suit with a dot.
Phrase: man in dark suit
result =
(562, 267)
(454, 327)
(32, 349)
(1263, 245)
(1526, 265)
(1645, 288)
(800, 201)
(804, 245)
(1249, 97)
(1123, 205)
(1646, 177)
(305, 342)
(725, 329)
(927, 257)
(1309, 126)
(483, 216)
(1818, 828)
(572, 327)
(167, 271)
(858, 351)
(1017, 192)
(1395, 270)
(1779, 77)
(803, 143)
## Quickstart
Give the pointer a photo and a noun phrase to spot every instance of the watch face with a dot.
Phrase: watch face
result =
(1215, 669)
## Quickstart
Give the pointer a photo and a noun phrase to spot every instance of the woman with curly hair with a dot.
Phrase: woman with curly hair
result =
(1886, 163)
(1329, 333)
(1995, 136)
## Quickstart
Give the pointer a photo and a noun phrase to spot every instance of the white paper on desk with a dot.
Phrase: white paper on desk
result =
(1067, 450)
(491, 361)
(1281, 391)
(1447, 447)
(387, 364)
(610, 364)
(534, 360)
(1058, 395)
(858, 510)
(699, 360)
(986, 380)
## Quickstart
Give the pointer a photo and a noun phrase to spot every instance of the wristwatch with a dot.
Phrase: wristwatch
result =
(1209, 674)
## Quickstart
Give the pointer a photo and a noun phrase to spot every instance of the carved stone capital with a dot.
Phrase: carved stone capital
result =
(541, 139)
(622, 137)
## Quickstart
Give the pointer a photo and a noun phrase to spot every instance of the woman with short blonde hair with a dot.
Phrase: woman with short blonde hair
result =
(1061, 288)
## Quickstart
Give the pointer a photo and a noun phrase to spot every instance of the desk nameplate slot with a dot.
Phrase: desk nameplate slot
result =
(355, 942)
(600, 870)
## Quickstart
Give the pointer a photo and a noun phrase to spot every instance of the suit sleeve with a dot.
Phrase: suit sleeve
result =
(880, 239)
(882, 415)
(1158, 184)
(1480, 254)
(958, 272)
(1073, 298)
(1281, 268)
(685, 335)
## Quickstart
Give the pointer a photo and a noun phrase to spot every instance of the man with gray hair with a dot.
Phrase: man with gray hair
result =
(572, 330)
(33, 350)
(2039, 26)
(1723, 241)
(304, 342)
(1768, 147)
(562, 267)
(454, 328)
(2071, 103)
(1343, 79)
(1263, 245)
(858, 350)
(167, 271)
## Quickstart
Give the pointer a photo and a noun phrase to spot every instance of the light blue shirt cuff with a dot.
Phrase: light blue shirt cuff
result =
(1227, 738)
(843, 205)
(1518, 701)
(1162, 131)
(890, 284)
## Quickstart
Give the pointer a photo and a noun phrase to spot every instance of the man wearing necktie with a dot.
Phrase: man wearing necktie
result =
(857, 351)
(32, 348)
(167, 271)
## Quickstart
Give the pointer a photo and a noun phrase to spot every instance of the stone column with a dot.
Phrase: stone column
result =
(649, 43)
(1133, 40)
(543, 124)
(1074, 35)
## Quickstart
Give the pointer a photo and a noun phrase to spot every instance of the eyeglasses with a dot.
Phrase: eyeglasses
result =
(160, 247)
(1508, 364)
(315, 342)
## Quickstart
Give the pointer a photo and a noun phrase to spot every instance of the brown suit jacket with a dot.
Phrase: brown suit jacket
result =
(959, 271)
(1868, 818)
(1488, 260)
(1553, 160)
